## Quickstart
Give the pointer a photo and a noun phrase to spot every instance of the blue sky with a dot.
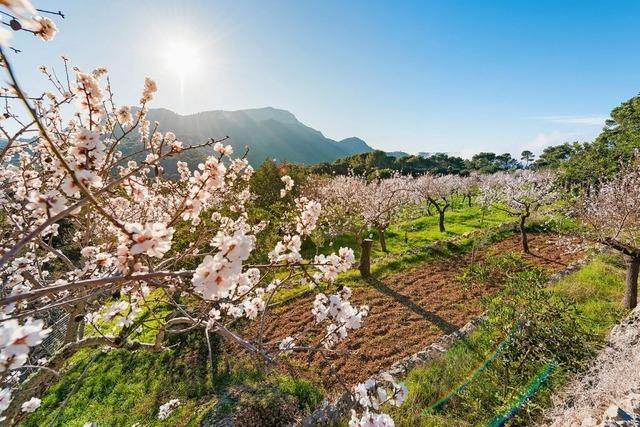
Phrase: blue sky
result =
(452, 76)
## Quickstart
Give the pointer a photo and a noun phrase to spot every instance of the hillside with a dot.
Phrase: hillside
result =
(268, 132)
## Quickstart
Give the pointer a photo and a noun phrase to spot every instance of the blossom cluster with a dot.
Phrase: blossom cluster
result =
(166, 409)
(339, 314)
(288, 185)
(15, 342)
(520, 192)
(371, 395)
(612, 211)
(332, 265)
(26, 18)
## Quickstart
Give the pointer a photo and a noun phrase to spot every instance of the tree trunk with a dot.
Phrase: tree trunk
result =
(365, 258)
(75, 319)
(469, 196)
(523, 234)
(383, 241)
(71, 334)
(631, 289)
(441, 220)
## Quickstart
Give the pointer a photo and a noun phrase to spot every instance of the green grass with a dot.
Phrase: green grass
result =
(596, 293)
(120, 387)
(422, 231)
(598, 290)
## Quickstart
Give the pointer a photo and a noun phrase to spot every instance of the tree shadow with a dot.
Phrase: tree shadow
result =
(552, 261)
(441, 323)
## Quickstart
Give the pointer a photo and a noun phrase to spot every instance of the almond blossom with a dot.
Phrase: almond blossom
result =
(338, 314)
(31, 405)
(288, 185)
(371, 395)
(45, 28)
(166, 409)
(154, 239)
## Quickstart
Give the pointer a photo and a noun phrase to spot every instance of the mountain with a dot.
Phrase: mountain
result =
(269, 133)
(397, 154)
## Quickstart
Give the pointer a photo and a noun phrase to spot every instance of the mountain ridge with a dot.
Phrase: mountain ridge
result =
(270, 133)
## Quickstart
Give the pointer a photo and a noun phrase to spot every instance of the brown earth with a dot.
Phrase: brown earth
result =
(408, 311)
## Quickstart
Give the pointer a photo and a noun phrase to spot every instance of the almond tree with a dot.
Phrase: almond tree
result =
(380, 203)
(469, 185)
(67, 179)
(437, 191)
(343, 212)
(341, 198)
(520, 194)
(352, 205)
(613, 216)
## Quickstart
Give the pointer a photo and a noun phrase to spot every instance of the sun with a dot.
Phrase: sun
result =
(183, 58)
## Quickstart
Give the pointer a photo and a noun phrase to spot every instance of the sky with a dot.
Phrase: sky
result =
(436, 76)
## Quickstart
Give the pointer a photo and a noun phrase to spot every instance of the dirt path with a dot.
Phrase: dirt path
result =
(409, 311)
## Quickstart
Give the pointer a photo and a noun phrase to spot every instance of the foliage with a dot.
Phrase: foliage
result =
(490, 162)
(493, 270)
(266, 183)
(379, 164)
(542, 327)
(555, 156)
(583, 165)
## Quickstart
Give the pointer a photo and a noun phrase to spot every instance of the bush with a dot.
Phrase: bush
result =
(493, 270)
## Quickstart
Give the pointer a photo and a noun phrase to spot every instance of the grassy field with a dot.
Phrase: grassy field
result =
(120, 388)
(423, 230)
(468, 386)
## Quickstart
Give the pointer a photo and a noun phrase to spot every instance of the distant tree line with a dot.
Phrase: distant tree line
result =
(380, 164)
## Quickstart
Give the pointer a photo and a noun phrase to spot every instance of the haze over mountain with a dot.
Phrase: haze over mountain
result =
(268, 132)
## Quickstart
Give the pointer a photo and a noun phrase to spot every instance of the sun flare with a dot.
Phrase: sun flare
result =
(182, 58)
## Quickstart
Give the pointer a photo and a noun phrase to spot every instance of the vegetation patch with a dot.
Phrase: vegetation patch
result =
(536, 336)
(137, 383)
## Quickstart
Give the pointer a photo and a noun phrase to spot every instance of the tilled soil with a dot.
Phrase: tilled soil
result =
(408, 311)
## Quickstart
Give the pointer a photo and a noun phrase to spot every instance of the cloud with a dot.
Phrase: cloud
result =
(593, 120)
(555, 137)
(545, 139)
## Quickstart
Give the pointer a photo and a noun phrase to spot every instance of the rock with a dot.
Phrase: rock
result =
(616, 413)
(632, 404)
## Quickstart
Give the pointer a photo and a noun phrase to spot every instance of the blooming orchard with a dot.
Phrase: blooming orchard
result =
(88, 213)
(519, 193)
(381, 201)
(437, 191)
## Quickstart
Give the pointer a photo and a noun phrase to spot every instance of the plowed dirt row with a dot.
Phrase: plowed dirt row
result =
(409, 311)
